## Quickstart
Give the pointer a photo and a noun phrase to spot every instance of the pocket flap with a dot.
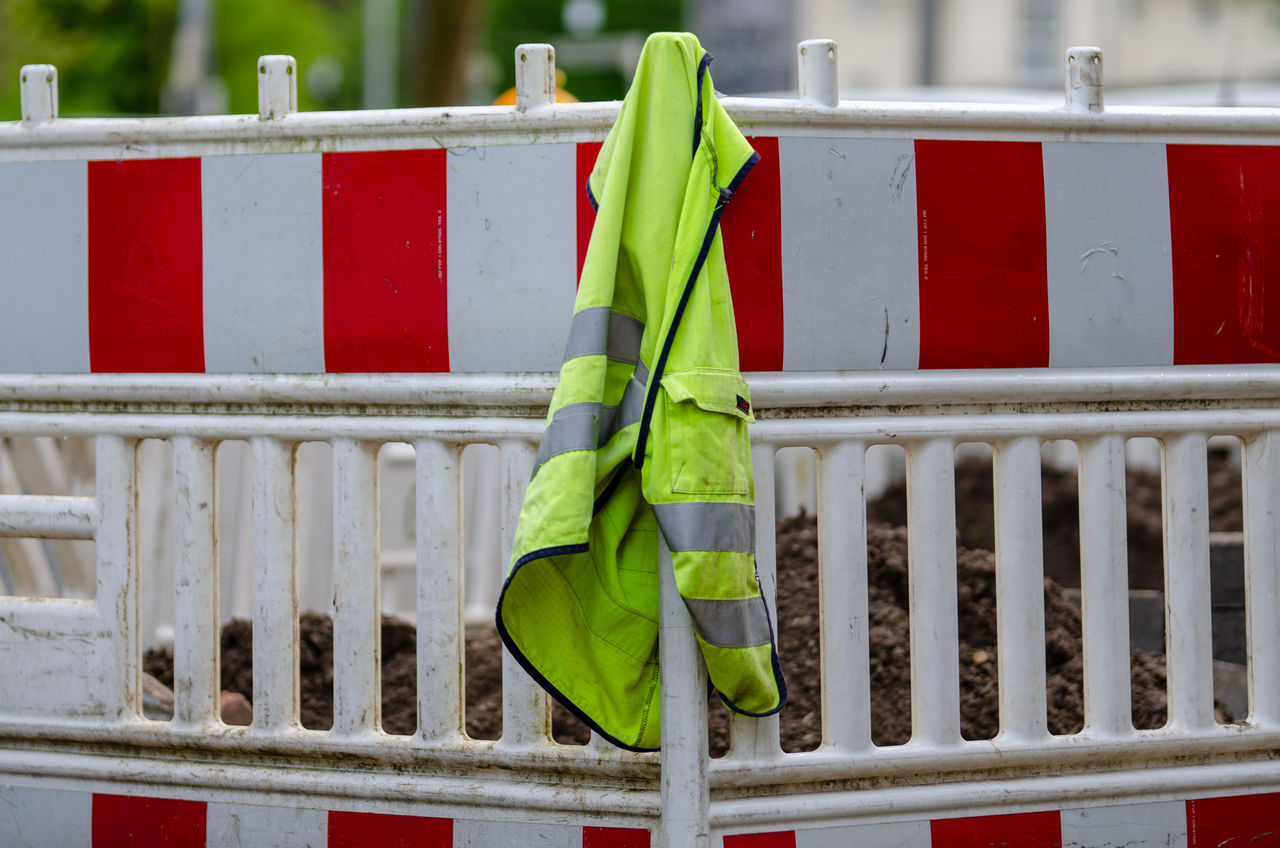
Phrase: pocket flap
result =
(714, 391)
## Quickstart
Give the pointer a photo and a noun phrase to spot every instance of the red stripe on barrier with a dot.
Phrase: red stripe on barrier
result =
(1252, 820)
(615, 837)
(751, 230)
(1224, 210)
(385, 306)
(777, 839)
(379, 830)
(121, 820)
(586, 216)
(984, 290)
(1014, 830)
(145, 266)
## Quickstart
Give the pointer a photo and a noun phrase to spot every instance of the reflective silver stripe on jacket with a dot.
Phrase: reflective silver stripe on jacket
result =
(738, 623)
(572, 427)
(597, 330)
(569, 429)
(702, 526)
(626, 413)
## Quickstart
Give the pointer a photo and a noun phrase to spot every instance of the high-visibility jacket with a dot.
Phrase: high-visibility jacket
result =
(647, 429)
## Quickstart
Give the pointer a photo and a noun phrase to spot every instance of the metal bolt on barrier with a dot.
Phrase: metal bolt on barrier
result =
(277, 86)
(818, 82)
(535, 76)
(39, 86)
(1084, 79)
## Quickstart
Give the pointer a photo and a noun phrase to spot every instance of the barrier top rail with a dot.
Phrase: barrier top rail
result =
(870, 237)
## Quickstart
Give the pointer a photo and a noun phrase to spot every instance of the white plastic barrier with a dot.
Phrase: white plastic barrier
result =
(898, 279)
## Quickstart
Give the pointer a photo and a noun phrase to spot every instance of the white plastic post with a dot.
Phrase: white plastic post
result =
(39, 87)
(1262, 583)
(356, 600)
(818, 83)
(931, 575)
(195, 604)
(1020, 588)
(1084, 79)
(1188, 622)
(535, 76)
(1104, 587)
(686, 793)
(526, 709)
(277, 86)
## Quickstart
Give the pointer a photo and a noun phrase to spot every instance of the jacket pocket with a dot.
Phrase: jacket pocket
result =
(707, 441)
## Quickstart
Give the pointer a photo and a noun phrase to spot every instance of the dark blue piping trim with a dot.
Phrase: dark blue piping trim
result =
(655, 378)
(697, 115)
(528, 666)
(608, 490)
(591, 198)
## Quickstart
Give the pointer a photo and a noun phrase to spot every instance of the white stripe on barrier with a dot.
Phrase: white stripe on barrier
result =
(1163, 824)
(44, 281)
(511, 256)
(471, 833)
(851, 292)
(1108, 254)
(263, 263)
(45, 818)
(248, 826)
(908, 834)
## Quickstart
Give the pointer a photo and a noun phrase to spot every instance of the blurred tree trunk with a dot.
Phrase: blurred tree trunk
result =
(438, 39)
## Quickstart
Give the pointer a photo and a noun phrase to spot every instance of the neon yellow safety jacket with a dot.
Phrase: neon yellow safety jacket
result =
(647, 429)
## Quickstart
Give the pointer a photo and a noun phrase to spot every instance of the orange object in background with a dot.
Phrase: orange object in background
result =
(508, 97)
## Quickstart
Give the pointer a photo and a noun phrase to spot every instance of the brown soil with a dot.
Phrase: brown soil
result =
(797, 626)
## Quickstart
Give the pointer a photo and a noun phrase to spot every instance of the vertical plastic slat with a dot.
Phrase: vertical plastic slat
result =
(1020, 588)
(1262, 579)
(526, 711)
(275, 587)
(195, 580)
(117, 546)
(756, 739)
(440, 601)
(842, 587)
(357, 631)
(686, 793)
(1104, 587)
(1188, 621)
(931, 540)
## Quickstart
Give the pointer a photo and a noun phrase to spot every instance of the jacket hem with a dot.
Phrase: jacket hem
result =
(529, 667)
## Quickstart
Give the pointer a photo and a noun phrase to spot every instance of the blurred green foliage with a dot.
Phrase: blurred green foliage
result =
(113, 56)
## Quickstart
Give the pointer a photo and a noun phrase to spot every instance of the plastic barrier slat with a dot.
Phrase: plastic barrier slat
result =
(1104, 586)
(931, 530)
(842, 551)
(1019, 587)
(356, 608)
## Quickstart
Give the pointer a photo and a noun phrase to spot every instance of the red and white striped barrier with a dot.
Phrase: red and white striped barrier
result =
(844, 253)
(65, 819)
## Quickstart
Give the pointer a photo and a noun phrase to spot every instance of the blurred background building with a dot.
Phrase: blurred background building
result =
(143, 57)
